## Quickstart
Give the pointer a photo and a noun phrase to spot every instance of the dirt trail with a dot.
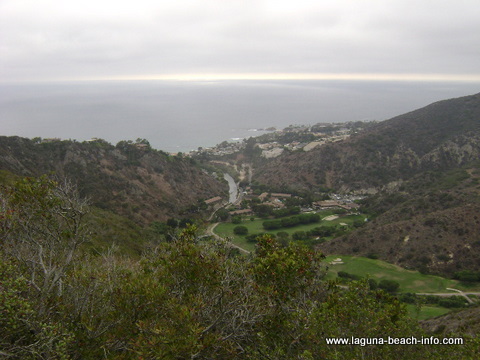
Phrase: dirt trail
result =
(210, 229)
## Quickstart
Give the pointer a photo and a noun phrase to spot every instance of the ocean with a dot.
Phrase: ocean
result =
(182, 116)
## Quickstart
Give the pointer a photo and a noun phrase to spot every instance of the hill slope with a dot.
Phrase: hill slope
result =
(129, 179)
(432, 224)
(440, 136)
(423, 167)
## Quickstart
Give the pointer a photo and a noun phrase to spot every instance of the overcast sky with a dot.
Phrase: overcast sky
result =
(103, 39)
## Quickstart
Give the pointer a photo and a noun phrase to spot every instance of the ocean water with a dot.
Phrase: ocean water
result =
(182, 116)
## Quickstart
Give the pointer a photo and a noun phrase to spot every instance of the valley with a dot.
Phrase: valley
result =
(389, 210)
(425, 218)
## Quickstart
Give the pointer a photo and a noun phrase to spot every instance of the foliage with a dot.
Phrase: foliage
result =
(262, 210)
(346, 275)
(190, 298)
(222, 214)
(236, 219)
(467, 276)
(390, 286)
(240, 230)
(42, 228)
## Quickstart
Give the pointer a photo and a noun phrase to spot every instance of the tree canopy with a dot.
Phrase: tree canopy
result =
(184, 298)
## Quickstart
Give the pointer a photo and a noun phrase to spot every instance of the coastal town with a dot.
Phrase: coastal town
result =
(231, 158)
(293, 138)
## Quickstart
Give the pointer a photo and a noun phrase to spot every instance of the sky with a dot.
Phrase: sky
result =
(58, 40)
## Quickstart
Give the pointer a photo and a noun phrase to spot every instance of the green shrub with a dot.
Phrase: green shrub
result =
(240, 230)
(390, 286)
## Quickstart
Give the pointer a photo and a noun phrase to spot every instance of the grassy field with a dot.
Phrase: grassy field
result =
(426, 312)
(225, 230)
(410, 281)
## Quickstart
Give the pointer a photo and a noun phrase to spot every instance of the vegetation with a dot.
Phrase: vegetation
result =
(130, 279)
(130, 179)
(305, 232)
(183, 298)
(410, 281)
(424, 169)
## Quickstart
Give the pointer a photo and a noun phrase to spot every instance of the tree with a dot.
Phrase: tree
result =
(222, 214)
(236, 219)
(390, 286)
(42, 226)
(23, 334)
(290, 221)
(173, 223)
(272, 224)
(299, 235)
(262, 210)
(240, 230)
(467, 276)
(183, 223)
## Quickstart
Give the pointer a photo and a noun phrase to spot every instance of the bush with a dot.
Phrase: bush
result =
(467, 276)
(346, 275)
(452, 302)
(373, 284)
(272, 224)
(236, 220)
(388, 285)
(409, 298)
(290, 221)
(299, 235)
(240, 230)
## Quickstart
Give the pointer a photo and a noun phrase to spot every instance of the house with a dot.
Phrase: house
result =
(213, 200)
(280, 195)
(262, 196)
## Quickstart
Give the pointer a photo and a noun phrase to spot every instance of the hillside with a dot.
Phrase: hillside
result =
(432, 224)
(130, 179)
(440, 136)
(466, 321)
(423, 169)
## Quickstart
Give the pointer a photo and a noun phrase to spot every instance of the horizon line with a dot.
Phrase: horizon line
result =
(212, 77)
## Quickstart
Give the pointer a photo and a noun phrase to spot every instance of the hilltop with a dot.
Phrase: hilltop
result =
(130, 179)
(438, 137)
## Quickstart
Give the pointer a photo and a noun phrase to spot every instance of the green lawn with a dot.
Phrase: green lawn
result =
(225, 230)
(426, 312)
(410, 281)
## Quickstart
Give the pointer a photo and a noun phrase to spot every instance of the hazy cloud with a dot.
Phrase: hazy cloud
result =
(53, 39)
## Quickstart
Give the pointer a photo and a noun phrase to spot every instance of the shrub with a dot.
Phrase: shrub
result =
(236, 220)
(453, 302)
(467, 276)
(272, 224)
(240, 230)
(299, 235)
(390, 286)
(346, 275)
